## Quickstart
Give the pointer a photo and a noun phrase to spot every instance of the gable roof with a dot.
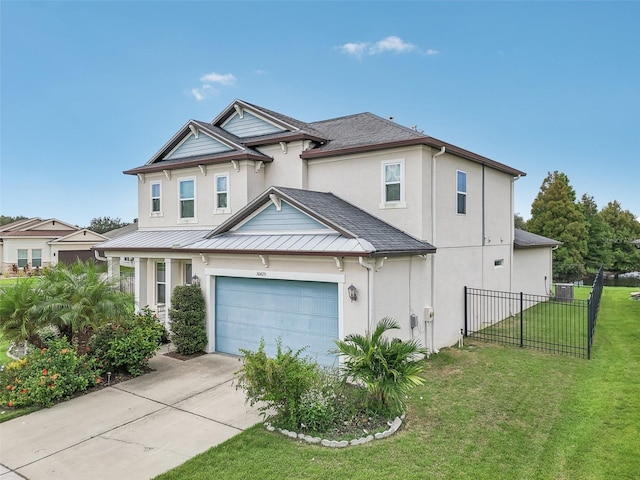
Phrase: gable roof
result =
(524, 239)
(338, 136)
(355, 232)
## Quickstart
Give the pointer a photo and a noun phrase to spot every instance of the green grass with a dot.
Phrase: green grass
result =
(485, 412)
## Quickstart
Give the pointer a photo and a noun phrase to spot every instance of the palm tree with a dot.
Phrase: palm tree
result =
(78, 300)
(18, 320)
(387, 368)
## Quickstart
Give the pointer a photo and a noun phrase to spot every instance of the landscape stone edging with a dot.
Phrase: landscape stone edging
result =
(393, 428)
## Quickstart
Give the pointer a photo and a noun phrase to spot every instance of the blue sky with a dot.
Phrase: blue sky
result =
(89, 89)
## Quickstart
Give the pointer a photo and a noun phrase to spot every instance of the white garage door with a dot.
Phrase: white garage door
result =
(302, 314)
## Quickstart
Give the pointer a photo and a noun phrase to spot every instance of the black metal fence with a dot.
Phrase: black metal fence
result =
(557, 324)
(127, 282)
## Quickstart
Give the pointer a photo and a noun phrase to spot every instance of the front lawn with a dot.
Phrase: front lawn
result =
(485, 412)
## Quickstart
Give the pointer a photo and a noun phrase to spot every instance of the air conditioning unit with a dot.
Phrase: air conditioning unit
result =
(564, 292)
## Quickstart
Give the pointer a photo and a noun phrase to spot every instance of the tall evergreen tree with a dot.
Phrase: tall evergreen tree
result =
(555, 214)
(625, 229)
(599, 236)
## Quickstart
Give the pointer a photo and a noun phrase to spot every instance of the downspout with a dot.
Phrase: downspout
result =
(513, 232)
(370, 270)
(431, 320)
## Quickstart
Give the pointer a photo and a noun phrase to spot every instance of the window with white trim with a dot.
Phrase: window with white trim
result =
(222, 193)
(36, 257)
(156, 205)
(393, 184)
(188, 273)
(498, 263)
(22, 257)
(187, 193)
(160, 283)
(461, 192)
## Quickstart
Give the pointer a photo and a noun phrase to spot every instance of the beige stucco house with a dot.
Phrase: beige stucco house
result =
(37, 243)
(311, 231)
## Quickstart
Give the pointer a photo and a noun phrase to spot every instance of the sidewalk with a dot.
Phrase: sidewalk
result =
(133, 430)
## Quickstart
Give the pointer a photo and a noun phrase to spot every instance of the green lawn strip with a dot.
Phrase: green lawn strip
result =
(600, 430)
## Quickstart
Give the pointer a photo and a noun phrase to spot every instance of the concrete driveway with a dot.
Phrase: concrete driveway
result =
(132, 430)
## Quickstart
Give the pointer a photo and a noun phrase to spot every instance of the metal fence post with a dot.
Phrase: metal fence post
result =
(466, 311)
(521, 320)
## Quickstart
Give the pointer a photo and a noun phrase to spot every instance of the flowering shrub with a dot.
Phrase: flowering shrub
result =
(278, 383)
(46, 376)
(126, 346)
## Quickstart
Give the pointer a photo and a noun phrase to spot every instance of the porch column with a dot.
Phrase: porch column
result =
(141, 279)
(113, 268)
(168, 272)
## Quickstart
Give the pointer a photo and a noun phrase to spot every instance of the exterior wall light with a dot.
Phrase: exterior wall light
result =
(353, 293)
(195, 280)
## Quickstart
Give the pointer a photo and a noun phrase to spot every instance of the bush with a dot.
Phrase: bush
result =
(47, 376)
(387, 368)
(187, 313)
(128, 345)
(280, 383)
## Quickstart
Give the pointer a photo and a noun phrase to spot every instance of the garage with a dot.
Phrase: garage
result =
(301, 313)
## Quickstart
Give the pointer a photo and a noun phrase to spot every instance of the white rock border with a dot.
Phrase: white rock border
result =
(393, 428)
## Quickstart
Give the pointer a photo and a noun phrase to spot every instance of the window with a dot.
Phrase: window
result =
(22, 258)
(222, 191)
(36, 257)
(160, 283)
(393, 184)
(461, 190)
(187, 198)
(188, 273)
(155, 199)
(498, 263)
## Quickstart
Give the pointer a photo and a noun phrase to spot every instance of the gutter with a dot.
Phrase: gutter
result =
(431, 320)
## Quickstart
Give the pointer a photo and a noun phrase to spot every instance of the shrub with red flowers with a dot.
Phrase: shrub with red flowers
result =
(47, 376)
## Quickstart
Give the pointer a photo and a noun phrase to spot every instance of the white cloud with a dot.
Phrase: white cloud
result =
(355, 49)
(207, 89)
(213, 77)
(391, 44)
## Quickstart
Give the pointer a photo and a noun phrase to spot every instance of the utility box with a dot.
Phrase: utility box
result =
(564, 292)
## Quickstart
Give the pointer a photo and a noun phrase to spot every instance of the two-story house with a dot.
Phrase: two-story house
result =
(312, 231)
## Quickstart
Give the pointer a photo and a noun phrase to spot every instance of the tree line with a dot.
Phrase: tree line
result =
(590, 237)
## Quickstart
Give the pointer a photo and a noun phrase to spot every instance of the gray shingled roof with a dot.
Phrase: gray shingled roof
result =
(343, 217)
(362, 129)
(337, 136)
(524, 239)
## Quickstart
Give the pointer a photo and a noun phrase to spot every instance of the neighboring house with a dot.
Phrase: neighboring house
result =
(312, 231)
(37, 243)
(533, 261)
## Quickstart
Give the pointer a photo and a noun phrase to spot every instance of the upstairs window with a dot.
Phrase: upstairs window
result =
(461, 192)
(155, 198)
(187, 199)
(393, 184)
(222, 191)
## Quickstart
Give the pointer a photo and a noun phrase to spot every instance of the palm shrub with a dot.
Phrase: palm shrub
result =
(18, 320)
(78, 299)
(388, 368)
(187, 313)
